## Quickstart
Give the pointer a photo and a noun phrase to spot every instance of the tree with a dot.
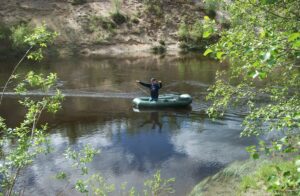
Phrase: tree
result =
(21, 144)
(262, 46)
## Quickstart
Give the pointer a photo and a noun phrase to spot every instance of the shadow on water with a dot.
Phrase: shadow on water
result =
(184, 144)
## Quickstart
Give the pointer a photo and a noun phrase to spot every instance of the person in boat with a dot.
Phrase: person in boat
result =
(154, 87)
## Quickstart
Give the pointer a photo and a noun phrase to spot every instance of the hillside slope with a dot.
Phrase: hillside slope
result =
(89, 28)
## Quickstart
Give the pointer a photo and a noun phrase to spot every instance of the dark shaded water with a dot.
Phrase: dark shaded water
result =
(184, 144)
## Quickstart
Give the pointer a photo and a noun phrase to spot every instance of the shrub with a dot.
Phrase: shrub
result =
(116, 14)
(135, 20)
(78, 2)
(94, 22)
(154, 7)
(118, 18)
(117, 4)
(191, 37)
(183, 32)
(18, 34)
(210, 7)
(159, 49)
(197, 31)
(279, 178)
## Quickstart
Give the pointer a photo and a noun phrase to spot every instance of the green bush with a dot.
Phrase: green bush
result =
(154, 6)
(160, 49)
(135, 20)
(94, 22)
(118, 18)
(78, 2)
(116, 14)
(191, 37)
(211, 6)
(279, 178)
(18, 34)
(197, 31)
(183, 32)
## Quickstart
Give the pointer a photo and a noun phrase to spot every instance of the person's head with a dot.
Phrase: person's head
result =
(153, 81)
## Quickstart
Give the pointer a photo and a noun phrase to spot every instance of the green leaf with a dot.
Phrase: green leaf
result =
(294, 36)
(262, 75)
(61, 175)
(206, 18)
(255, 156)
(219, 55)
(206, 34)
(296, 44)
(208, 51)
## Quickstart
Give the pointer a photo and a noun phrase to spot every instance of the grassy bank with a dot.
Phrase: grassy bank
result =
(251, 177)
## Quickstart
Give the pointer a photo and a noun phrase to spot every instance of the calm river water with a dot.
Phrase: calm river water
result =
(97, 110)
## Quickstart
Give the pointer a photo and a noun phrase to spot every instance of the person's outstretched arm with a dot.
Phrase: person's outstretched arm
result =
(160, 84)
(144, 84)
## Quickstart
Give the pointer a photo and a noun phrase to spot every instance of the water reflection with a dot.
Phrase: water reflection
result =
(184, 144)
(154, 121)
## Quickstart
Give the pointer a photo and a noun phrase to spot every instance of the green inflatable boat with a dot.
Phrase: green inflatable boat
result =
(168, 101)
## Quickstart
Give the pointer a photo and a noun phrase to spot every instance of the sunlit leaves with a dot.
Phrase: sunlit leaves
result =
(157, 185)
(262, 46)
(209, 27)
(298, 165)
(208, 51)
(82, 157)
(81, 186)
(18, 34)
(61, 175)
(31, 138)
(39, 39)
(99, 185)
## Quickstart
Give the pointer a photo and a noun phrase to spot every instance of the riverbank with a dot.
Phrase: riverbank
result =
(93, 28)
(228, 180)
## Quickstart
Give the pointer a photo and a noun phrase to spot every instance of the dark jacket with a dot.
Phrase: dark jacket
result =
(153, 89)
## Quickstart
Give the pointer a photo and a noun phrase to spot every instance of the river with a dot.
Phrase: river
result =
(184, 144)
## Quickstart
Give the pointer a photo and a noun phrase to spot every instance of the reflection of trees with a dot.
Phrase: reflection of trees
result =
(118, 75)
(197, 69)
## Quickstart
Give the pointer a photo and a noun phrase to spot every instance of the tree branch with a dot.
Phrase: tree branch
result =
(12, 73)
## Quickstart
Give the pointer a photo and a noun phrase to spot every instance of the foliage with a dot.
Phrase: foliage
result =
(116, 4)
(23, 143)
(154, 7)
(38, 40)
(156, 185)
(31, 138)
(78, 2)
(160, 49)
(263, 48)
(116, 14)
(96, 184)
(18, 34)
(191, 37)
(94, 22)
(211, 6)
(118, 18)
(280, 177)
(82, 157)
